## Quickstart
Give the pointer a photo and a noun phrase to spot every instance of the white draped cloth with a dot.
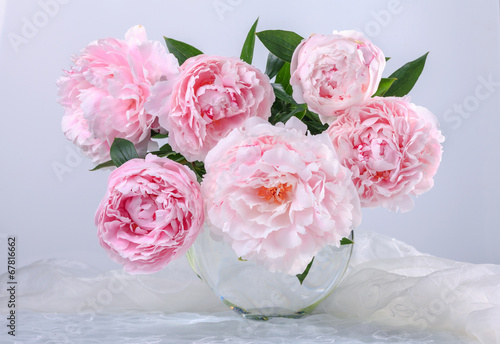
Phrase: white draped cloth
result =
(391, 294)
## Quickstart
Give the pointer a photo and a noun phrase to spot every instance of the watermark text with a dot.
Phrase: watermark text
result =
(11, 285)
(32, 24)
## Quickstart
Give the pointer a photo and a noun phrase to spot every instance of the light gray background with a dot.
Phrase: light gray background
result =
(53, 214)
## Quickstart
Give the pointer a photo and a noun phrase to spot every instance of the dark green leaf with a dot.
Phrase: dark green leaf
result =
(109, 163)
(303, 275)
(387, 59)
(275, 117)
(182, 51)
(198, 168)
(384, 85)
(280, 93)
(406, 77)
(178, 157)
(282, 117)
(156, 135)
(274, 65)
(313, 123)
(122, 151)
(278, 110)
(346, 241)
(280, 42)
(166, 148)
(248, 46)
(283, 78)
(171, 155)
(298, 111)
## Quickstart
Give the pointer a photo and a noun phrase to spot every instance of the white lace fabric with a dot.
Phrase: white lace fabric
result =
(391, 293)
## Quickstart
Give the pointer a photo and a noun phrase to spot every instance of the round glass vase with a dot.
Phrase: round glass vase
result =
(256, 293)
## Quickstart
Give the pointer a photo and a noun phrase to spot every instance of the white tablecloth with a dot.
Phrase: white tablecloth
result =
(220, 327)
(390, 294)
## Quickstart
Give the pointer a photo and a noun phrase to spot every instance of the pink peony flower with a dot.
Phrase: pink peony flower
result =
(392, 147)
(104, 92)
(331, 73)
(152, 213)
(212, 96)
(278, 196)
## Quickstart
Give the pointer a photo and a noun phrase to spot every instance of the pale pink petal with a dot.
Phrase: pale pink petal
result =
(105, 92)
(278, 195)
(151, 214)
(331, 73)
(392, 147)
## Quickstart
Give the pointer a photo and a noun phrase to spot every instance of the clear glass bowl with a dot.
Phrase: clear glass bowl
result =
(256, 293)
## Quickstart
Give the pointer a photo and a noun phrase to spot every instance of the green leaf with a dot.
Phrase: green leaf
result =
(387, 59)
(274, 65)
(406, 77)
(280, 42)
(283, 78)
(279, 109)
(166, 151)
(122, 151)
(346, 241)
(313, 123)
(166, 148)
(178, 157)
(384, 85)
(248, 46)
(182, 51)
(280, 93)
(298, 111)
(198, 168)
(281, 116)
(156, 135)
(303, 275)
(109, 163)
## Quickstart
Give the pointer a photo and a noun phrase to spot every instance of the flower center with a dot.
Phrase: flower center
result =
(276, 194)
(383, 175)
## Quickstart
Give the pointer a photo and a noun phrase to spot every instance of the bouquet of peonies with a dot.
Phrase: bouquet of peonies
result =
(278, 170)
